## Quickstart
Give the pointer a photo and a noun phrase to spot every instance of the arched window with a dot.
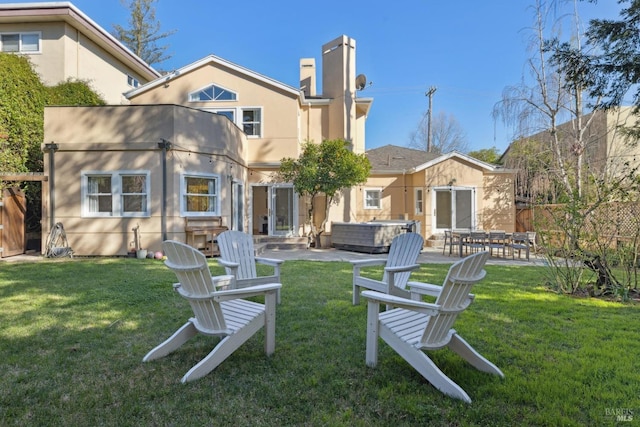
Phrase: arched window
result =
(212, 93)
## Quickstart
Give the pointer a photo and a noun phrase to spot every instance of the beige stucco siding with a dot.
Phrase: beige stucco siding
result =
(497, 204)
(126, 138)
(66, 54)
(280, 110)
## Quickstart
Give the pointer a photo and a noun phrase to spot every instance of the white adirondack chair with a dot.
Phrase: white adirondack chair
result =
(238, 257)
(414, 326)
(218, 309)
(398, 266)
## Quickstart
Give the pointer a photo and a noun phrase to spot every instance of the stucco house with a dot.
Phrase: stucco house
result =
(451, 190)
(63, 43)
(607, 151)
(206, 141)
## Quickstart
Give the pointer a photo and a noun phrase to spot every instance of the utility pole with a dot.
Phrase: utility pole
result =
(430, 93)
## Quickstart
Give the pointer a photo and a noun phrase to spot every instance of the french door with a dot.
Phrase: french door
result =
(282, 221)
(454, 207)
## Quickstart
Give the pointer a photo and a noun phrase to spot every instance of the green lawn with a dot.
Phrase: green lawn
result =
(73, 334)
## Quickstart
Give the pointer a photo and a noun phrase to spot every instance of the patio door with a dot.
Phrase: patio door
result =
(237, 206)
(454, 208)
(282, 221)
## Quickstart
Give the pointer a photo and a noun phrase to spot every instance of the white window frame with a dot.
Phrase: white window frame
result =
(365, 198)
(132, 81)
(20, 35)
(419, 200)
(191, 95)
(116, 194)
(455, 222)
(238, 117)
(260, 121)
(183, 194)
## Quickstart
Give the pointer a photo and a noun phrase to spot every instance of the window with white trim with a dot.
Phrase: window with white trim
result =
(419, 193)
(229, 113)
(372, 198)
(212, 93)
(115, 194)
(199, 195)
(252, 121)
(132, 81)
(20, 42)
(249, 119)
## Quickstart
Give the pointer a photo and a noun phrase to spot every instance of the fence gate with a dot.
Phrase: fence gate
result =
(12, 228)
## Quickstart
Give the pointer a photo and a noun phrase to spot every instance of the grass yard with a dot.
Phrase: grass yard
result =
(73, 334)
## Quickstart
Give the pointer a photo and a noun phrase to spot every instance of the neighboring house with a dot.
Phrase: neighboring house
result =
(63, 43)
(445, 191)
(607, 151)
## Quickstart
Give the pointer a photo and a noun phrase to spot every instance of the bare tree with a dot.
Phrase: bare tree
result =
(446, 134)
(551, 113)
(143, 32)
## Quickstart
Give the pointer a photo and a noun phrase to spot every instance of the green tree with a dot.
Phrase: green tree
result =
(324, 169)
(489, 155)
(73, 92)
(22, 101)
(143, 33)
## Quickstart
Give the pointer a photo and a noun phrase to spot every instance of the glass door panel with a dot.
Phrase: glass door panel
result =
(282, 218)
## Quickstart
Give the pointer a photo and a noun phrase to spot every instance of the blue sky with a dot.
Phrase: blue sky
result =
(470, 50)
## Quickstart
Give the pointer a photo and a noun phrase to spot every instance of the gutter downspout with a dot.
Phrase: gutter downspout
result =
(164, 145)
(51, 148)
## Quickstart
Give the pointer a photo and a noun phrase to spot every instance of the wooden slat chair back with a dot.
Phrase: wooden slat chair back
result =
(497, 240)
(520, 242)
(476, 241)
(413, 326)
(219, 310)
(238, 257)
(398, 265)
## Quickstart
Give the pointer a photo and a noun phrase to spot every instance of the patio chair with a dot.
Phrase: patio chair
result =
(497, 240)
(450, 240)
(219, 309)
(398, 266)
(414, 326)
(520, 242)
(238, 257)
(476, 241)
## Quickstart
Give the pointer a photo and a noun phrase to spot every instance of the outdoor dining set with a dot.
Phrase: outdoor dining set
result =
(465, 241)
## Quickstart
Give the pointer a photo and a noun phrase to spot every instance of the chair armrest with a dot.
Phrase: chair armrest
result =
(368, 262)
(229, 264)
(393, 301)
(402, 268)
(269, 261)
(424, 288)
(246, 292)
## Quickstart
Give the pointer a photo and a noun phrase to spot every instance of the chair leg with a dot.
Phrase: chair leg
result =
(373, 311)
(271, 300)
(424, 366)
(468, 353)
(182, 335)
(224, 349)
(356, 294)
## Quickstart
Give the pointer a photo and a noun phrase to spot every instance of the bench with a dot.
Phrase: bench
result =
(202, 233)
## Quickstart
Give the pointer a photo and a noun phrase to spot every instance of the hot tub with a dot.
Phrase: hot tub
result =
(371, 237)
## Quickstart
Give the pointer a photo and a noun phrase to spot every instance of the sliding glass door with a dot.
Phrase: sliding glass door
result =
(454, 208)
